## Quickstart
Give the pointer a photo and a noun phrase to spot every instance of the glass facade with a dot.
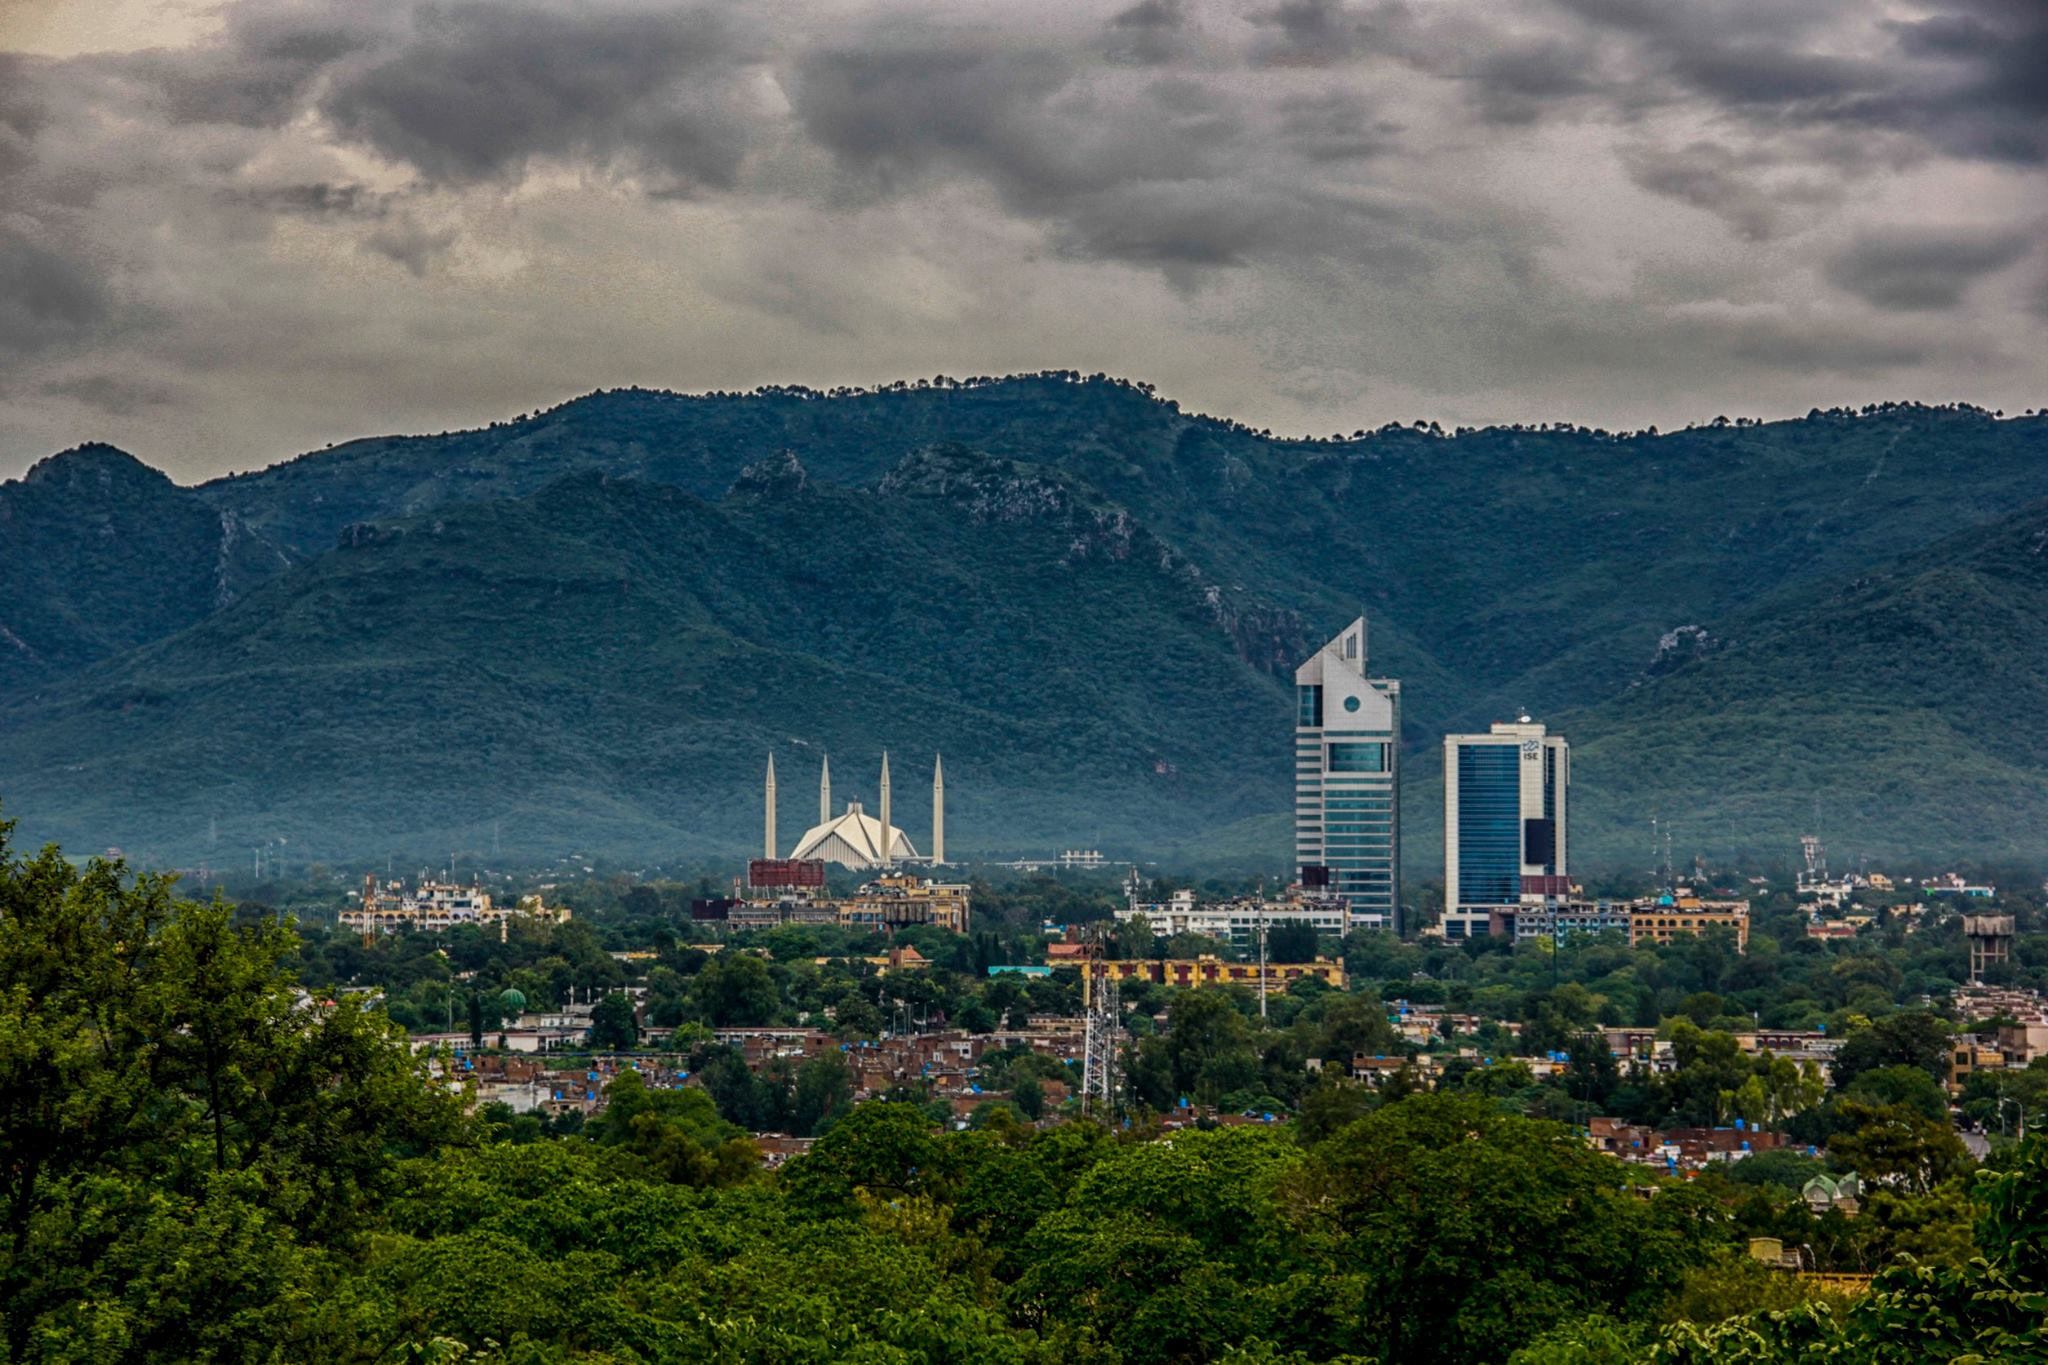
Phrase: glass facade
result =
(1347, 822)
(1345, 818)
(1355, 757)
(1308, 703)
(1507, 795)
(1489, 824)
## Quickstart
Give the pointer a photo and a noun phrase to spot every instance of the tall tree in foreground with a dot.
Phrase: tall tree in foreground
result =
(183, 1134)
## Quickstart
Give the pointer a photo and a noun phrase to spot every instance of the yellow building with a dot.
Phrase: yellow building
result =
(1967, 1057)
(900, 899)
(1197, 973)
(1666, 917)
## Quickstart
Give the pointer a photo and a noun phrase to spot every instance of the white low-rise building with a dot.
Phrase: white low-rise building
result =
(1236, 922)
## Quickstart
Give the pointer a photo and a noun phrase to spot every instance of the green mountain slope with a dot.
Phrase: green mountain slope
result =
(604, 667)
(99, 552)
(1898, 712)
(1505, 568)
(1567, 572)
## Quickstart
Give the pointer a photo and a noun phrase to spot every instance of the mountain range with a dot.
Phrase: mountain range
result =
(585, 629)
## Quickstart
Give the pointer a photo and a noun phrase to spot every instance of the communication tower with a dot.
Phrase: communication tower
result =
(1103, 1036)
(1816, 860)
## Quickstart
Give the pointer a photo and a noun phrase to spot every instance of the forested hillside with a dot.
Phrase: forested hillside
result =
(610, 662)
(99, 552)
(1089, 599)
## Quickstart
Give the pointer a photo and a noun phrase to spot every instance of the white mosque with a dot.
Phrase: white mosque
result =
(853, 838)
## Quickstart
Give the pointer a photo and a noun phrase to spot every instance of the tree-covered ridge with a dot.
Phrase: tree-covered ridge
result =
(100, 553)
(606, 664)
(204, 1162)
(1584, 576)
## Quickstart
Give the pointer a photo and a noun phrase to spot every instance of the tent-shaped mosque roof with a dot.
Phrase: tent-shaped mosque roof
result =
(853, 840)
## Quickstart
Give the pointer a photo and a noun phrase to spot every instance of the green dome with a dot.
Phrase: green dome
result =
(514, 1000)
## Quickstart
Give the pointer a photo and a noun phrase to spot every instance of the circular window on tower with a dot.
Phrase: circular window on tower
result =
(1351, 703)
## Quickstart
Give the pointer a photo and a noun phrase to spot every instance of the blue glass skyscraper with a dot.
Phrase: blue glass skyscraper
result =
(1506, 797)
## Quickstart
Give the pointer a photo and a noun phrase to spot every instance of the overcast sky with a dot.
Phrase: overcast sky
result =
(233, 231)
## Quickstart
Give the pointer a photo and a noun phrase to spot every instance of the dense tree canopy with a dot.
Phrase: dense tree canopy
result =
(205, 1161)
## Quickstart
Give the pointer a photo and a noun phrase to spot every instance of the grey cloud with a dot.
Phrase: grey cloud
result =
(1315, 32)
(1730, 185)
(111, 394)
(47, 298)
(263, 67)
(480, 89)
(1435, 204)
(410, 244)
(1512, 74)
(1919, 270)
(1336, 125)
(313, 199)
(1166, 174)
(22, 115)
(1149, 33)
(1967, 80)
(1991, 99)
(900, 113)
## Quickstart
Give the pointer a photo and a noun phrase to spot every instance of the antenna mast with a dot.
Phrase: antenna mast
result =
(1103, 1031)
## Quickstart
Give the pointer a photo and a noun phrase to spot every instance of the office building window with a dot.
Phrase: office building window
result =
(1355, 757)
(1309, 706)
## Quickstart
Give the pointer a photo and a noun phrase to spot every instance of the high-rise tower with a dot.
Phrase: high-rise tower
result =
(1347, 779)
(938, 811)
(768, 821)
(888, 830)
(1506, 798)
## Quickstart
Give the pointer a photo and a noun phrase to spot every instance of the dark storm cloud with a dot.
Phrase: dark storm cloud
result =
(1917, 270)
(1162, 173)
(1316, 32)
(1966, 77)
(480, 89)
(1992, 99)
(905, 112)
(1473, 208)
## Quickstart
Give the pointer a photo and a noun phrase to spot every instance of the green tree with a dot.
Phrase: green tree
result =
(677, 1134)
(612, 1025)
(1894, 1142)
(1912, 1038)
(1291, 941)
(886, 1148)
(1458, 1234)
(736, 990)
(824, 1083)
(185, 1137)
